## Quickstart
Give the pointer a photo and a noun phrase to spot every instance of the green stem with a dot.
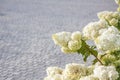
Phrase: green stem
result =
(89, 49)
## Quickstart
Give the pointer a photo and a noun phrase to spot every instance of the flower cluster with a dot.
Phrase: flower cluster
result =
(113, 18)
(106, 38)
(72, 71)
(109, 40)
(69, 42)
(91, 77)
(91, 31)
(75, 71)
(105, 73)
(105, 34)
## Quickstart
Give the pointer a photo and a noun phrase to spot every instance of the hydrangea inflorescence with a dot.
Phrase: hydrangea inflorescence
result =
(74, 71)
(69, 42)
(113, 18)
(105, 34)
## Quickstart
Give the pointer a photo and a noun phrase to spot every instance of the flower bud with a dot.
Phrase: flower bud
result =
(76, 35)
(90, 77)
(74, 45)
(51, 71)
(61, 38)
(66, 50)
(74, 71)
(108, 18)
(57, 77)
(116, 14)
(114, 22)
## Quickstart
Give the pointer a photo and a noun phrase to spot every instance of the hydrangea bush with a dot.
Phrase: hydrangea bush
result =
(105, 34)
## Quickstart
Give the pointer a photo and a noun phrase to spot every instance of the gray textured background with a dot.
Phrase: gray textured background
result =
(26, 26)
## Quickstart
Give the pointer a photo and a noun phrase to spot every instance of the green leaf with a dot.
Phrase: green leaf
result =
(94, 61)
(86, 51)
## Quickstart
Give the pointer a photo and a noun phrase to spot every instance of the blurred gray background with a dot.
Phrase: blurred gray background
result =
(26, 26)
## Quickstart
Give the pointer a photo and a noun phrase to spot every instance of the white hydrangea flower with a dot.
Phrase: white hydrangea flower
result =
(91, 77)
(48, 78)
(111, 17)
(108, 15)
(74, 71)
(90, 69)
(114, 22)
(109, 30)
(116, 15)
(105, 15)
(91, 31)
(57, 77)
(112, 73)
(62, 38)
(74, 45)
(109, 39)
(101, 72)
(106, 72)
(51, 71)
(76, 35)
(69, 42)
(66, 50)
